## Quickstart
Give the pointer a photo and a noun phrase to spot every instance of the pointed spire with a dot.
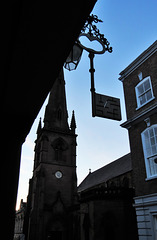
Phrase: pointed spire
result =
(73, 122)
(56, 115)
(39, 127)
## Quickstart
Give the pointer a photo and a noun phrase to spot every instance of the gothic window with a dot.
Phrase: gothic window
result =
(58, 152)
(144, 92)
(149, 141)
(59, 146)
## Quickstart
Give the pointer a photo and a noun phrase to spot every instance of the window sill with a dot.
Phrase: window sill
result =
(151, 178)
(146, 103)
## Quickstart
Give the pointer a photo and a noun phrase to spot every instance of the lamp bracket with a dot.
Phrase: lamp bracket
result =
(93, 31)
(91, 38)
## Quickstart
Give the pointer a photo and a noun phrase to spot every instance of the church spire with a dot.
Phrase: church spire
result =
(56, 115)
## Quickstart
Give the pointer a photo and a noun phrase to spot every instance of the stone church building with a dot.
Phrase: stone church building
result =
(53, 187)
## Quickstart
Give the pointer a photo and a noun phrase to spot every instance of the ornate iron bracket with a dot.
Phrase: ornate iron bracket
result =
(93, 31)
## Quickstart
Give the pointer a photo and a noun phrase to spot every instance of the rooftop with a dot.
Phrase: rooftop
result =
(102, 175)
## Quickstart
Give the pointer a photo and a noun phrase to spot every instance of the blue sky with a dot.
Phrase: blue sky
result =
(130, 27)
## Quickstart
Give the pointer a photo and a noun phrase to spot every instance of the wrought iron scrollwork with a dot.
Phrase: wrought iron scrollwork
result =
(95, 32)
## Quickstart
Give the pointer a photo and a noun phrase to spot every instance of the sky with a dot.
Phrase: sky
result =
(130, 27)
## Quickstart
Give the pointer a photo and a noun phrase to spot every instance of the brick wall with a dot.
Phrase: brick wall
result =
(136, 127)
(148, 68)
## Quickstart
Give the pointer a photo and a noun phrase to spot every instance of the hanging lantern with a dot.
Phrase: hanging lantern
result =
(74, 57)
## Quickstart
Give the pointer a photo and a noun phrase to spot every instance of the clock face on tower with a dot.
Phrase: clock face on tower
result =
(58, 174)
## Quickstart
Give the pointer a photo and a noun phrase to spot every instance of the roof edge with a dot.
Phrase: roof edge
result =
(138, 61)
(80, 188)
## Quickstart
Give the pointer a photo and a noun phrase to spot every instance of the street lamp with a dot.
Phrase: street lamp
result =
(93, 34)
(74, 57)
(102, 105)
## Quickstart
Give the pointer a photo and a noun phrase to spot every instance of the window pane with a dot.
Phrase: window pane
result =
(147, 144)
(140, 89)
(152, 166)
(144, 92)
(142, 99)
(154, 149)
(148, 151)
(150, 147)
(146, 85)
(152, 141)
(148, 95)
(151, 133)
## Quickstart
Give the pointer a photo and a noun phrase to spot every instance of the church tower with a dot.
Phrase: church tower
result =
(53, 187)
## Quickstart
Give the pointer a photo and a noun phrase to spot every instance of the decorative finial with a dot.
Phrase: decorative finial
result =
(39, 127)
(73, 122)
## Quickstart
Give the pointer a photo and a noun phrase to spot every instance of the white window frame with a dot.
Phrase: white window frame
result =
(139, 105)
(149, 158)
(153, 215)
(155, 225)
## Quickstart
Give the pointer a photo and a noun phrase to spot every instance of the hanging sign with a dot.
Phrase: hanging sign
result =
(106, 107)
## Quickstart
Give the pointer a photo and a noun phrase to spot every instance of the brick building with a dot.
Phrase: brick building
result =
(140, 90)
